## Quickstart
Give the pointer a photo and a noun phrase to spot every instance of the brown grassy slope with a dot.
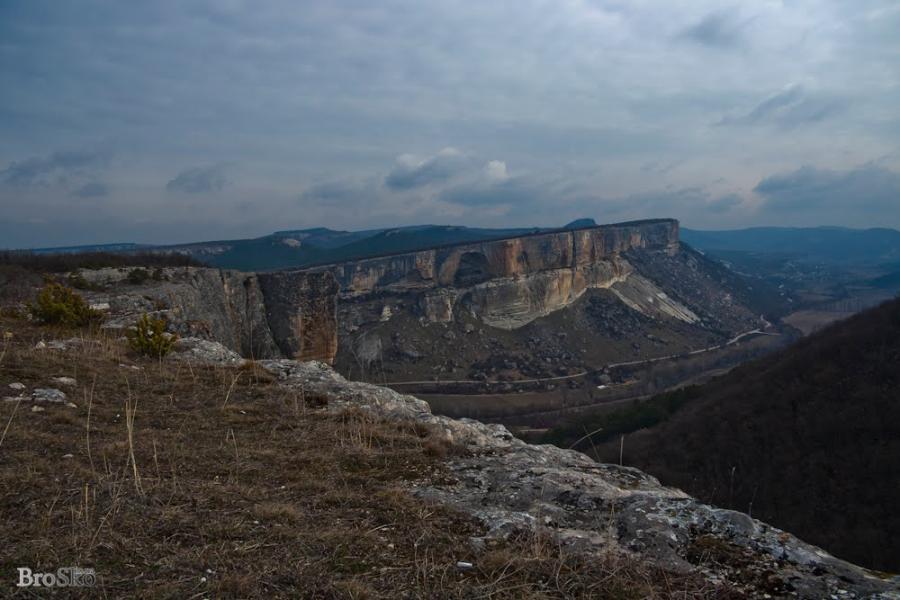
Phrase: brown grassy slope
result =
(228, 486)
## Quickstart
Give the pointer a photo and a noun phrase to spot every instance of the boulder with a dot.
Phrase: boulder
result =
(48, 395)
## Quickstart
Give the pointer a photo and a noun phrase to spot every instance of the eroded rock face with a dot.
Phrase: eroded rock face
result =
(590, 507)
(467, 265)
(301, 309)
(507, 283)
(270, 315)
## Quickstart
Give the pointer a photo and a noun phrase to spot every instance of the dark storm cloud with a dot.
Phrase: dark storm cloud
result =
(808, 189)
(718, 29)
(199, 180)
(409, 174)
(55, 168)
(92, 189)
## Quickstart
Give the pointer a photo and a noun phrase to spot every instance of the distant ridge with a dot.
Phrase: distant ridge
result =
(834, 244)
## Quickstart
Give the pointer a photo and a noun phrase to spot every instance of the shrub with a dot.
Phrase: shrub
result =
(149, 337)
(60, 305)
(138, 276)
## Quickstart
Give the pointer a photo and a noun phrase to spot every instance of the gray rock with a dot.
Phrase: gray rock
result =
(64, 381)
(199, 351)
(17, 386)
(37, 408)
(48, 395)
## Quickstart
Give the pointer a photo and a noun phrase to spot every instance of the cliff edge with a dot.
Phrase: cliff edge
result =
(593, 508)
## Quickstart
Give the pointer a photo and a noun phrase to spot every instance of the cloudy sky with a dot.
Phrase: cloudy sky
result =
(171, 121)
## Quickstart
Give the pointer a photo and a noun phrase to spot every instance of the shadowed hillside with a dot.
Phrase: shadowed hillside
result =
(807, 439)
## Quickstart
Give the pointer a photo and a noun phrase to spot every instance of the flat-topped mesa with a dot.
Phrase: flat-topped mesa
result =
(508, 282)
(464, 265)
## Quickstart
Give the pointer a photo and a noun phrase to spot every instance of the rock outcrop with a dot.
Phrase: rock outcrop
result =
(594, 508)
(301, 313)
(289, 314)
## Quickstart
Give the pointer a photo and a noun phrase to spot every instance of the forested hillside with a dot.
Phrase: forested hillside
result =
(807, 439)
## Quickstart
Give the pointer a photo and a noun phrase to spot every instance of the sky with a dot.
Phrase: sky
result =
(172, 121)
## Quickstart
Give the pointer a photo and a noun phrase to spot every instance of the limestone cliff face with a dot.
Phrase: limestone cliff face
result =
(466, 265)
(268, 315)
(301, 311)
(508, 283)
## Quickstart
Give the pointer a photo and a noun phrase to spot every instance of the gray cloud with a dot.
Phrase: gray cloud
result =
(718, 29)
(825, 192)
(790, 108)
(199, 180)
(92, 189)
(337, 193)
(518, 192)
(411, 173)
(53, 169)
(587, 103)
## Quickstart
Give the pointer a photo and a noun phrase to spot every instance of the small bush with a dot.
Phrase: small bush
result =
(149, 337)
(60, 305)
(138, 276)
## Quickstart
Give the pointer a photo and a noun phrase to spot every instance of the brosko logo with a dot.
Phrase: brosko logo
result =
(63, 577)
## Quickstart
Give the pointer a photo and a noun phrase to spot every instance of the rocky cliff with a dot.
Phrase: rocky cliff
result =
(268, 315)
(404, 311)
(510, 282)
(534, 306)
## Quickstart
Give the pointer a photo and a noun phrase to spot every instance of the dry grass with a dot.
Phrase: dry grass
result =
(189, 482)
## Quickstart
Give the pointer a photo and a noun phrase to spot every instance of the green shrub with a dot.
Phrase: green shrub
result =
(149, 337)
(138, 276)
(60, 305)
